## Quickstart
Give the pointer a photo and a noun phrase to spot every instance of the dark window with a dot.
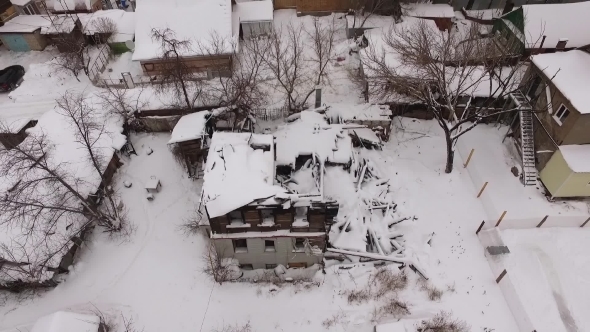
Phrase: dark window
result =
(561, 114)
(270, 266)
(235, 216)
(246, 267)
(299, 244)
(269, 245)
(240, 245)
(148, 66)
(532, 92)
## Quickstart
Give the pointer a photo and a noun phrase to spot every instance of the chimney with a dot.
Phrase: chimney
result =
(561, 44)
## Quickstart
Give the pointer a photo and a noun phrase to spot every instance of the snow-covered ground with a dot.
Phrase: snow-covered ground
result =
(156, 277)
(491, 162)
(546, 281)
(25, 59)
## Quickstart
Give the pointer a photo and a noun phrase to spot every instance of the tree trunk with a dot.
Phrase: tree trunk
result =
(450, 152)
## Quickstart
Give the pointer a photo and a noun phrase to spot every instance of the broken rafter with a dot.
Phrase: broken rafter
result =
(414, 265)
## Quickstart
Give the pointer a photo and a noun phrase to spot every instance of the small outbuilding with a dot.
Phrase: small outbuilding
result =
(441, 14)
(23, 33)
(190, 138)
(567, 174)
(114, 27)
(65, 32)
(255, 18)
(375, 117)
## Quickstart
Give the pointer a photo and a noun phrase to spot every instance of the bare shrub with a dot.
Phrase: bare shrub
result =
(389, 281)
(359, 296)
(434, 294)
(335, 319)
(235, 328)
(104, 28)
(217, 267)
(443, 322)
(393, 307)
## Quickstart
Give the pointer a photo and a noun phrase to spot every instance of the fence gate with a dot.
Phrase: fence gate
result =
(128, 80)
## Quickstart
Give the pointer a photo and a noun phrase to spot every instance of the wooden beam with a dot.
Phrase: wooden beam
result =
(585, 222)
(501, 217)
(542, 221)
(480, 227)
(501, 276)
(468, 158)
(482, 189)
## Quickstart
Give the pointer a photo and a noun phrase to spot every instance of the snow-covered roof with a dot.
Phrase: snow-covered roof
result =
(71, 5)
(123, 20)
(254, 11)
(428, 10)
(557, 21)
(25, 24)
(361, 112)
(44, 246)
(373, 21)
(64, 23)
(16, 116)
(312, 135)
(577, 157)
(238, 171)
(378, 45)
(570, 72)
(195, 22)
(20, 2)
(476, 81)
(189, 127)
(65, 321)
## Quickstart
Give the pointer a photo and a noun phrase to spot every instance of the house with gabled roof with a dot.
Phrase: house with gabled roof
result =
(556, 84)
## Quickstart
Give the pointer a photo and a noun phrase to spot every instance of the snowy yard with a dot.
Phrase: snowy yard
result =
(156, 277)
(491, 162)
(546, 282)
(25, 59)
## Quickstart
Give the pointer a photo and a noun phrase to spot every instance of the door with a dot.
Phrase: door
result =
(16, 43)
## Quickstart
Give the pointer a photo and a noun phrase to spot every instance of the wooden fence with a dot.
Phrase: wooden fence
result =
(270, 114)
(99, 64)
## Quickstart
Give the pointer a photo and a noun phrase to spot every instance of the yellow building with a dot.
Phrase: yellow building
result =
(567, 174)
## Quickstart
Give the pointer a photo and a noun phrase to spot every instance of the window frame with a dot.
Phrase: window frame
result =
(565, 112)
(271, 266)
(240, 249)
(301, 248)
(269, 248)
(145, 66)
(247, 267)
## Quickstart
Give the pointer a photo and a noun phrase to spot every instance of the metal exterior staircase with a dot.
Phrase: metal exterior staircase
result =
(527, 141)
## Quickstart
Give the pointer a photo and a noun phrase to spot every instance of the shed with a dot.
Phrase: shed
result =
(65, 321)
(65, 32)
(94, 27)
(191, 140)
(255, 17)
(23, 33)
(16, 132)
(441, 14)
(376, 117)
(567, 174)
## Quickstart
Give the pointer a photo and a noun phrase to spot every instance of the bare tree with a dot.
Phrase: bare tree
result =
(322, 45)
(285, 59)
(89, 130)
(67, 35)
(236, 86)
(49, 204)
(364, 9)
(104, 28)
(445, 72)
(220, 269)
(175, 75)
